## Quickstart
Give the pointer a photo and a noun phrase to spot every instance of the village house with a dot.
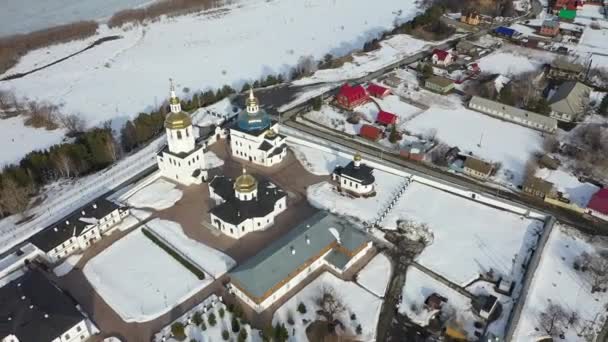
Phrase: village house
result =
(386, 119)
(33, 309)
(569, 101)
(255, 137)
(563, 69)
(549, 162)
(550, 27)
(442, 58)
(244, 205)
(477, 168)
(414, 151)
(513, 114)
(355, 178)
(598, 205)
(486, 305)
(79, 230)
(350, 97)
(393, 81)
(370, 132)
(506, 32)
(434, 301)
(323, 240)
(466, 47)
(439, 84)
(377, 91)
(538, 187)
(470, 17)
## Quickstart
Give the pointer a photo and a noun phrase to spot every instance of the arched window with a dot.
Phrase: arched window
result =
(179, 135)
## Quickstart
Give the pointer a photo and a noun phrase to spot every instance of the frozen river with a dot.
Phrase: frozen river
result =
(21, 16)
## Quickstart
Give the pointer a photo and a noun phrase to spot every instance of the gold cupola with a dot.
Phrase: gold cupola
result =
(245, 183)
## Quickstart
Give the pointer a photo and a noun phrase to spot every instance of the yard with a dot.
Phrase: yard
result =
(159, 195)
(376, 275)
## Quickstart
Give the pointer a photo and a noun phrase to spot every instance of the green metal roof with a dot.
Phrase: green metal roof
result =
(567, 14)
(284, 256)
(337, 258)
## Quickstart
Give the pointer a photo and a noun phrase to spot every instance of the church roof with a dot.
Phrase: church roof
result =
(245, 183)
(178, 120)
(363, 173)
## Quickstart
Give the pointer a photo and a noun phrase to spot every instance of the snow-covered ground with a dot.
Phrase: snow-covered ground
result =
(579, 193)
(18, 139)
(315, 161)
(67, 265)
(469, 238)
(209, 259)
(324, 196)
(139, 280)
(333, 118)
(127, 223)
(501, 141)
(214, 114)
(418, 286)
(376, 275)
(159, 195)
(21, 16)
(512, 60)
(484, 288)
(557, 282)
(212, 160)
(363, 304)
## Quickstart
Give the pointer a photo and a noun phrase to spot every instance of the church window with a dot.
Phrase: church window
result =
(243, 229)
(198, 157)
(356, 185)
(179, 135)
(231, 231)
(259, 224)
(187, 133)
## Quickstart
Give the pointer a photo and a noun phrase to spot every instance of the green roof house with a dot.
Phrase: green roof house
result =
(321, 240)
(567, 14)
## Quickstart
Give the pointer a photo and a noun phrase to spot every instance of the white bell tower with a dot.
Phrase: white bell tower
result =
(178, 125)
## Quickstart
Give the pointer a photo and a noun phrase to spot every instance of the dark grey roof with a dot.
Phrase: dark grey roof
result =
(363, 173)
(570, 98)
(563, 64)
(265, 146)
(71, 225)
(277, 150)
(27, 300)
(180, 155)
(235, 211)
(283, 257)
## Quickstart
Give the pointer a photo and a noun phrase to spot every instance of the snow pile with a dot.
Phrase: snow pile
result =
(159, 195)
(139, 280)
(469, 238)
(325, 196)
(418, 286)
(557, 282)
(376, 275)
(18, 139)
(212, 160)
(358, 301)
(578, 192)
(315, 161)
(67, 265)
(211, 260)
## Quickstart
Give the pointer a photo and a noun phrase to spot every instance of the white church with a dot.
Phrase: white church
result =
(355, 178)
(254, 137)
(245, 205)
(182, 159)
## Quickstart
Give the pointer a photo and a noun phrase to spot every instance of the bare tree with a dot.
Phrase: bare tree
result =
(74, 123)
(65, 164)
(437, 154)
(598, 271)
(552, 319)
(530, 168)
(550, 144)
(14, 198)
(330, 305)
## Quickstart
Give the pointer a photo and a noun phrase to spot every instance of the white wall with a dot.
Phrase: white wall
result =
(351, 185)
(180, 140)
(180, 169)
(79, 332)
(251, 224)
(245, 146)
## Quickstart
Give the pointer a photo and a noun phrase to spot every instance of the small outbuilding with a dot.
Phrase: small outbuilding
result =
(370, 132)
(478, 168)
(378, 91)
(386, 119)
(439, 84)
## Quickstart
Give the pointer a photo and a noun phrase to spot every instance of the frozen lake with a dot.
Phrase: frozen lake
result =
(21, 16)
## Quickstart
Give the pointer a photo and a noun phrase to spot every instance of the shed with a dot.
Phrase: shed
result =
(378, 91)
(567, 14)
(549, 162)
(435, 301)
(477, 167)
(599, 202)
(439, 84)
(370, 132)
(386, 118)
(504, 31)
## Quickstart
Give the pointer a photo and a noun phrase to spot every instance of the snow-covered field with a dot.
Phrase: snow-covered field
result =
(501, 141)
(363, 304)
(159, 195)
(513, 61)
(376, 275)
(579, 193)
(418, 286)
(324, 196)
(139, 280)
(557, 282)
(18, 139)
(469, 238)
(209, 259)
(315, 161)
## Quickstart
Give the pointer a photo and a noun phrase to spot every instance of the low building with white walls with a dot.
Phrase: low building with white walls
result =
(79, 230)
(322, 240)
(245, 205)
(35, 310)
(183, 158)
(356, 178)
(255, 137)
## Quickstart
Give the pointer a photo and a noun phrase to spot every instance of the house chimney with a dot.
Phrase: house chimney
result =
(55, 229)
(307, 240)
(67, 222)
(94, 205)
(82, 213)
(293, 250)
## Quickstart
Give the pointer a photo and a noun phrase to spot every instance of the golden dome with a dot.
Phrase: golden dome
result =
(245, 183)
(178, 120)
(357, 157)
(251, 100)
(271, 133)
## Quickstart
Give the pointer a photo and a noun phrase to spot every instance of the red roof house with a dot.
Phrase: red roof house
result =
(370, 132)
(441, 57)
(377, 90)
(599, 203)
(386, 118)
(350, 97)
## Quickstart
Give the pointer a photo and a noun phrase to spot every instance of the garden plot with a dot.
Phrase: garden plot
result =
(365, 307)
(333, 118)
(467, 237)
(159, 195)
(578, 192)
(376, 275)
(324, 196)
(484, 136)
(316, 161)
(568, 290)
(209, 259)
(139, 280)
(418, 286)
